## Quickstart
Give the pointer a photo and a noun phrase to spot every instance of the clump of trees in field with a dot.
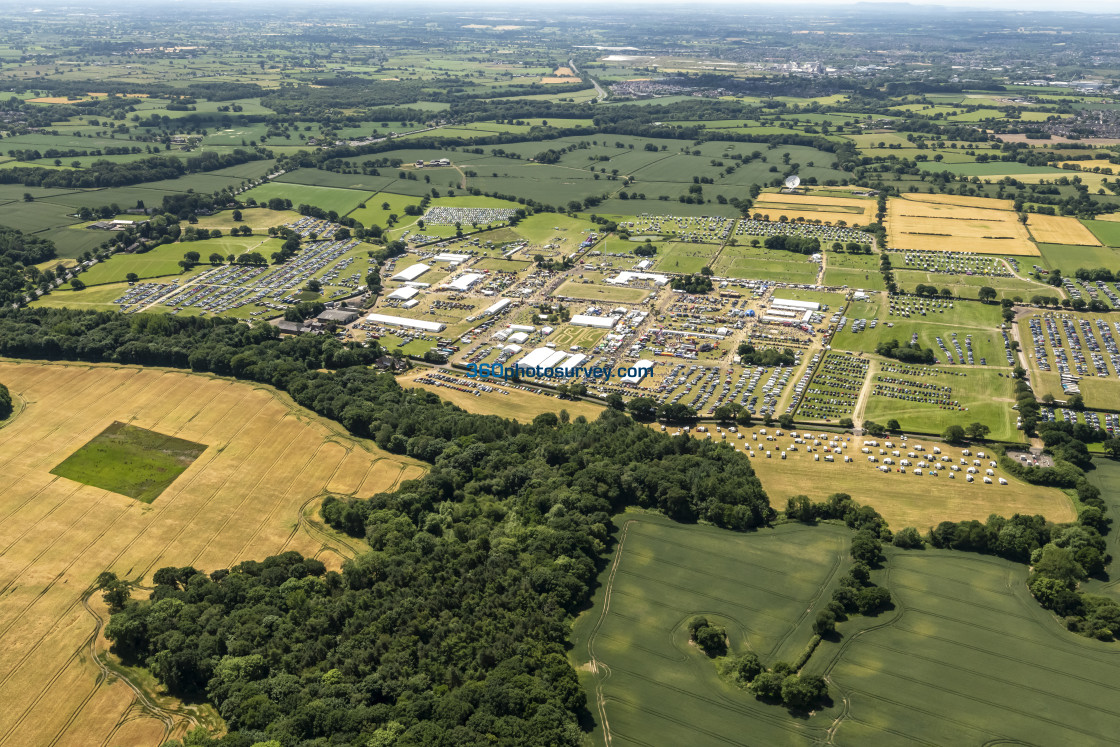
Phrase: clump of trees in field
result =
(910, 352)
(751, 356)
(5, 402)
(711, 639)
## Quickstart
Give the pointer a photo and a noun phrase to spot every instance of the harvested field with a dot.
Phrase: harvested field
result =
(939, 226)
(815, 207)
(253, 492)
(1057, 229)
(989, 203)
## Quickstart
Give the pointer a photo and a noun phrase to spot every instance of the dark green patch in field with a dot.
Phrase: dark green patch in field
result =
(130, 461)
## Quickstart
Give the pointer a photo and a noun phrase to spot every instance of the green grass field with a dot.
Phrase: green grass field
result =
(131, 461)
(599, 292)
(853, 270)
(647, 684)
(97, 298)
(683, 258)
(160, 261)
(342, 201)
(968, 286)
(763, 264)
(968, 657)
(1068, 258)
(986, 396)
(1106, 231)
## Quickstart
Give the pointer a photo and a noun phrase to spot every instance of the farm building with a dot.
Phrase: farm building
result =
(404, 293)
(339, 316)
(643, 365)
(572, 363)
(400, 321)
(497, 308)
(465, 281)
(554, 359)
(412, 272)
(600, 322)
(625, 277)
(785, 303)
(536, 357)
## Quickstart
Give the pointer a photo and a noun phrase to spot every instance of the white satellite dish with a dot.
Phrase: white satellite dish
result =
(793, 182)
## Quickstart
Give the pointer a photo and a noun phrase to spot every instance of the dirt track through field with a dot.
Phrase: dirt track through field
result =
(253, 492)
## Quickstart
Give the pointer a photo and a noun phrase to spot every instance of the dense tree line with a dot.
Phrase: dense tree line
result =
(5, 402)
(18, 253)
(124, 173)
(17, 247)
(798, 244)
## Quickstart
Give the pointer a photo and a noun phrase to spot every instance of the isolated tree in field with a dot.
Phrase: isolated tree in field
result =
(314, 285)
(131, 277)
(192, 257)
(977, 430)
(77, 284)
(215, 258)
(893, 425)
(954, 434)
(236, 216)
(712, 639)
(986, 293)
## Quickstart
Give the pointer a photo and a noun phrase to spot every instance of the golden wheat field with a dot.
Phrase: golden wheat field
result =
(988, 203)
(941, 226)
(1059, 229)
(815, 207)
(253, 492)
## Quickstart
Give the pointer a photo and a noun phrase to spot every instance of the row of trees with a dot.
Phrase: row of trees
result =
(123, 173)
